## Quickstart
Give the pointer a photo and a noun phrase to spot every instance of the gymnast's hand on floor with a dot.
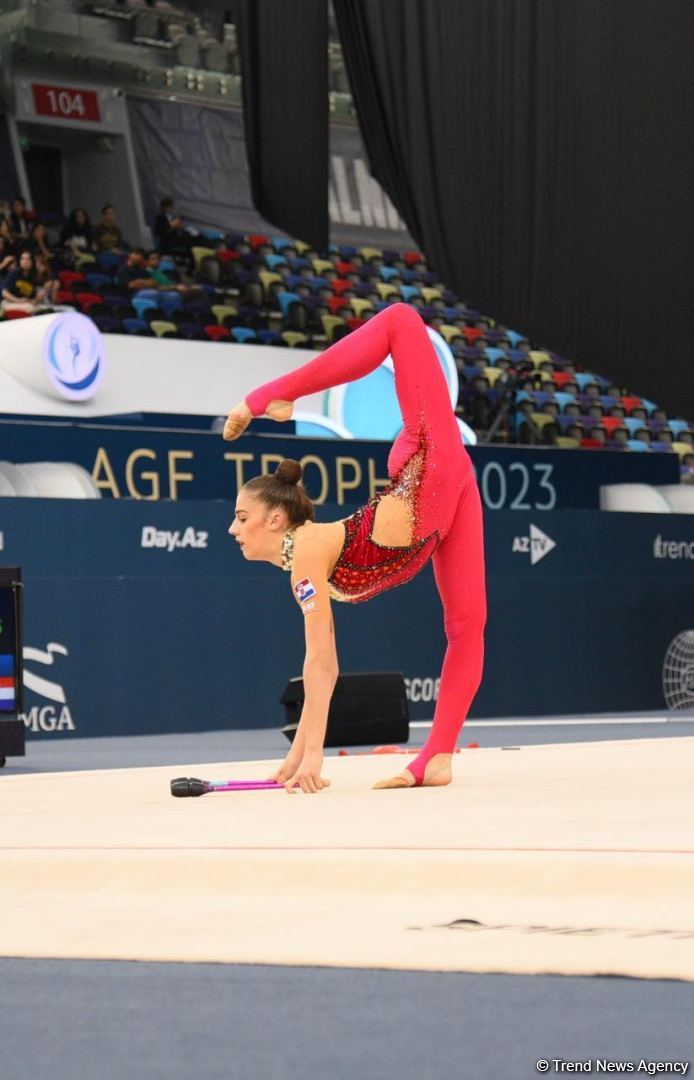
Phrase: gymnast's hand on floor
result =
(307, 776)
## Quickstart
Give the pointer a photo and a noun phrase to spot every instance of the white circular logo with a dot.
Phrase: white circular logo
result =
(74, 356)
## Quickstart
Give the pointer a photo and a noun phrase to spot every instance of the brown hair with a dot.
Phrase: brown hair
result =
(284, 490)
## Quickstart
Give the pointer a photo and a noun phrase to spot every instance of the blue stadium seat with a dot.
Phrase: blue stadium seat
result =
(97, 282)
(243, 334)
(563, 399)
(286, 299)
(136, 326)
(142, 304)
(273, 261)
(636, 444)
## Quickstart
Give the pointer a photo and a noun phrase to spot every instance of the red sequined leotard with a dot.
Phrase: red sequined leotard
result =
(431, 470)
(364, 567)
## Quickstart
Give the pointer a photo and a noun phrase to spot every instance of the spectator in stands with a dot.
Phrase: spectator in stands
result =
(170, 233)
(163, 281)
(135, 273)
(7, 258)
(21, 291)
(77, 235)
(38, 242)
(19, 219)
(46, 278)
(107, 235)
(620, 436)
(6, 234)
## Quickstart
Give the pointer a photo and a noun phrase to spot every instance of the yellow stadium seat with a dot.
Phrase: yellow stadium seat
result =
(565, 442)
(162, 326)
(200, 253)
(369, 253)
(223, 311)
(84, 260)
(294, 338)
(492, 373)
(322, 266)
(682, 448)
(384, 290)
(539, 419)
(301, 246)
(330, 324)
(539, 357)
(359, 306)
(268, 279)
(429, 294)
(451, 332)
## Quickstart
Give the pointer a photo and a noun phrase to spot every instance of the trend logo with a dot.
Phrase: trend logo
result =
(537, 544)
(74, 356)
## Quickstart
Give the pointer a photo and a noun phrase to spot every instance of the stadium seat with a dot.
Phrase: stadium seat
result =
(86, 300)
(200, 253)
(408, 292)
(258, 240)
(273, 261)
(95, 282)
(565, 442)
(109, 260)
(369, 253)
(450, 333)
(243, 334)
(137, 327)
(224, 311)
(161, 327)
(331, 323)
(677, 426)
(107, 324)
(387, 273)
(386, 291)
(270, 337)
(190, 331)
(429, 294)
(360, 306)
(17, 314)
(682, 448)
(143, 304)
(563, 399)
(293, 338)
(412, 258)
(322, 266)
(213, 332)
(67, 278)
(267, 279)
(337, 304)
(539, 357)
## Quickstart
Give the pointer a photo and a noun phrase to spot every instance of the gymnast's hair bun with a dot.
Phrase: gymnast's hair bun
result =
(289, 472)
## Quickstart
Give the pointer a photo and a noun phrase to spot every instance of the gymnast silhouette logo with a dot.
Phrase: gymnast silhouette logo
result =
(74, 356)
(55, 716)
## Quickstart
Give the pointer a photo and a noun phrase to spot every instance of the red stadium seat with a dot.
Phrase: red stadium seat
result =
(355, 322)
(225, 256)
(471, 334)
(611, 422)
(413, 257)
(87, 300)
(345, 268)
(256, 240)
(17, 314)
(560, 378)
(69, 277)
(63, 297)
(217, 333)
(339, 286)
(336, 304)
(631, 402)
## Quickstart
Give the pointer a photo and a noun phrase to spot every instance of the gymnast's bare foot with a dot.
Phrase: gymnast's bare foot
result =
(436, 774)
(240, 417)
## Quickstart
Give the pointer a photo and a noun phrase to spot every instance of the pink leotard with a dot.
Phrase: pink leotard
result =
(440, 487)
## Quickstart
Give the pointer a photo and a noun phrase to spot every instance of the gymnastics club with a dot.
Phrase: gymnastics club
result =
(185, 786)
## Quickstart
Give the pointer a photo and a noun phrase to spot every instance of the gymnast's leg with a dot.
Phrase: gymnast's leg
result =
(459, 572)
(419, 380)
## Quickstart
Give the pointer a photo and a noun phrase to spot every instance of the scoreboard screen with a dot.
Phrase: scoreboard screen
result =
(10, 658)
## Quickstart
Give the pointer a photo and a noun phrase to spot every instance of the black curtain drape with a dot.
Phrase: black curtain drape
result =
(285, 100)
(540, 153)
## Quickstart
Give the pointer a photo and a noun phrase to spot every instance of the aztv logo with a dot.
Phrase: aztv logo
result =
(537, 544)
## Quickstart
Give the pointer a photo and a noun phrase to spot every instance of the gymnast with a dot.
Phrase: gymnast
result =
(429, 510)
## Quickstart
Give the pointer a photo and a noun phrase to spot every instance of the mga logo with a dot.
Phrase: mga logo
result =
(53, 717)
(537, 544)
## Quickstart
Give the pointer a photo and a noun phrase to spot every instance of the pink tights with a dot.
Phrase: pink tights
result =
(447, 497)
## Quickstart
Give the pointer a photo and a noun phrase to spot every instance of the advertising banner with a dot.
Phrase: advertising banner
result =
(144, 617)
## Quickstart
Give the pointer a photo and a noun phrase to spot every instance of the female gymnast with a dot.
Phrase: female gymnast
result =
(430, 510)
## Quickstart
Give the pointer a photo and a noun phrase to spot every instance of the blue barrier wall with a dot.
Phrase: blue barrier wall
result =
(151, 464)
(125, 636)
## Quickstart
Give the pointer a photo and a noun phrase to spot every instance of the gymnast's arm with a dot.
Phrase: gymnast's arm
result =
(310, 586)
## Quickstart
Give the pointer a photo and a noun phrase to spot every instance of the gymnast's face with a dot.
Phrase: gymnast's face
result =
(256, 528)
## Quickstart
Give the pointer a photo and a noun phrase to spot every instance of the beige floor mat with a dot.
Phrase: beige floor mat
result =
(573, 859)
